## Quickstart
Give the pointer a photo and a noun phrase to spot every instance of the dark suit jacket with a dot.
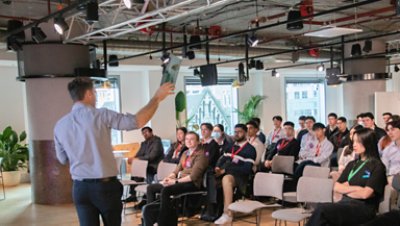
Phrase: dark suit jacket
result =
(152, 151)
(301, 134)
(379, 132)
(291, 149)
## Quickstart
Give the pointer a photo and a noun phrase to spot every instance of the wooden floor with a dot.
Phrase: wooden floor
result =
(17, 209)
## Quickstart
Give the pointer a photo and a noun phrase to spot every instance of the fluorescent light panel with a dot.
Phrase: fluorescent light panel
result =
(331, 32)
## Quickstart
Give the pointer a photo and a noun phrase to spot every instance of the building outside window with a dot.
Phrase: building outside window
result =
(214, 104)
(108, 96)
(308, 105)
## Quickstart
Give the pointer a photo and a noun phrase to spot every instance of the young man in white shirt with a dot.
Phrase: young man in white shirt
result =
(276, 134)
(252, 130)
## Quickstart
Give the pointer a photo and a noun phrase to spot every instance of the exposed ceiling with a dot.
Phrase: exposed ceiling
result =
(137, 30)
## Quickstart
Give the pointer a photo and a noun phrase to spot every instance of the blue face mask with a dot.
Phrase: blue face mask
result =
(216, 135)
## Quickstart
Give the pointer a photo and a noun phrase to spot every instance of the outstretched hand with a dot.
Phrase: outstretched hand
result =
(165, 90)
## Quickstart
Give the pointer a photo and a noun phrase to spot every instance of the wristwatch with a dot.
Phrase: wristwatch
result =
(176, 181)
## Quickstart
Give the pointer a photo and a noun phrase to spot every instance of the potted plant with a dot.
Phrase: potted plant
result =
(15, 154)
(250, 108)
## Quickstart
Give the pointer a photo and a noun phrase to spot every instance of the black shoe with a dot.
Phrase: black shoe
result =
(139, 205)
(130, 199)
(208, 218)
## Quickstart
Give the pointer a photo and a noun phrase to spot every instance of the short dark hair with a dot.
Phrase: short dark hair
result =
(147, 128)
(303, 118)
(253, 123)
(310, 118)
(361, 115)
(395, 117)
(343, 119)
(368, 115)
(256, 119)
(207, 125)
(221, 127)
(318, 125)
(277, 117)
(195, 134)
(288, 123)
(78, 87)
(368, 139)
(183, 129)
(394, 124)
(332, 115)
(387, 113)
(241, 126)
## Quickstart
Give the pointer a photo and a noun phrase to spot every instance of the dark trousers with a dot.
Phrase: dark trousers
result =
(92, 199)
(390, 218)
(343, 213)
(298, 172)
(167, 215)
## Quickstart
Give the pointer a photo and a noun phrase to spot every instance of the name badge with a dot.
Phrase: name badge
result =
(235, 160)
(366, 175)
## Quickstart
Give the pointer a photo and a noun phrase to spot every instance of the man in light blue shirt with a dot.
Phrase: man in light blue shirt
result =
(391, 154)
(83, 139)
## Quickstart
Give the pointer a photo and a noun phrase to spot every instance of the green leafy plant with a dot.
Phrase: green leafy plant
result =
(12, 149)
(250, 108)
(180, 103)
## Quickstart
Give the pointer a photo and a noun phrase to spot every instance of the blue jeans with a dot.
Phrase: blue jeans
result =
(94, 199)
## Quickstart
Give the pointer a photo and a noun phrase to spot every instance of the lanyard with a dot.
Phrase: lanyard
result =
(274, 135)
(352, 172)
(187, 160)
(252, 140)
(284, 144)
(234, 153)
(176, 152)
(318, 149)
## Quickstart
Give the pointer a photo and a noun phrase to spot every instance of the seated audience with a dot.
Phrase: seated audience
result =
(187, 177)
(286, 146)
(276, 134)
(309, 122)
(260, 134)
(331, 128)
(362, 185)
(234, 167)
(252, 129)
(339, 139)
(151, 149)
(211, 148)
(395, 117)
(384, 142)
(316, 152)
(302, 125)
(387, 117)
(391, 155)
(177, 148)
(223, 140)
(369, 122)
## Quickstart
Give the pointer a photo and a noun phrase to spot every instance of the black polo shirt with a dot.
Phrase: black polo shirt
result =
(372, 174)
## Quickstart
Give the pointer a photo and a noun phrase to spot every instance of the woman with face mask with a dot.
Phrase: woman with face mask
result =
(222, 139)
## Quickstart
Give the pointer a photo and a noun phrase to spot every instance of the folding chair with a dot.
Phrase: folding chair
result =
(138, 169)
(309, 189)
(265, 184)
(385, 205)
(164, 169)
(2, 179)
(282, 164)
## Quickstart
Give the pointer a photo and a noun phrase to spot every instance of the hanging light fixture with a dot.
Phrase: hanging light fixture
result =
(356, 50)
(396, 68)
(37, 34)
(274, 73)
(92, 12)
(165, 58)
(253, 41)
(60, 25)
(321, 67)
(128, 3)
(295, 16)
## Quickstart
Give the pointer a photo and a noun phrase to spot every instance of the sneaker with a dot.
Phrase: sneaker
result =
(130, 199)
(224, 219)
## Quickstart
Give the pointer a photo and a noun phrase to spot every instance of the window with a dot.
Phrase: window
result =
(213, 104)
(108, 96)
(309, 105)
(296, 95)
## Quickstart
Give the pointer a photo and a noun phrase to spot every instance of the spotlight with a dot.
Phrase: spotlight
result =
(14, 25)
(128, 4)
(259, 65)
(37, 34)
(252, 64)
(196, 72)
(252, 41)
(13, 44)
(150, 57)
(60, 25)
(396, 68)
(190, 55)
(356, 50)
(242, 73)
(165, 58)
(274, 73)
(195, 39)
(321, 67)
(92, 12)
(113, 61)
(367, 46)
(292, 16)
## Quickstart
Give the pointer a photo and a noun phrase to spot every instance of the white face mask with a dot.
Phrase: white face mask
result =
(216, 135)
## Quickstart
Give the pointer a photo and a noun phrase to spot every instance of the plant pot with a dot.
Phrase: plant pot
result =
(11, 178)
